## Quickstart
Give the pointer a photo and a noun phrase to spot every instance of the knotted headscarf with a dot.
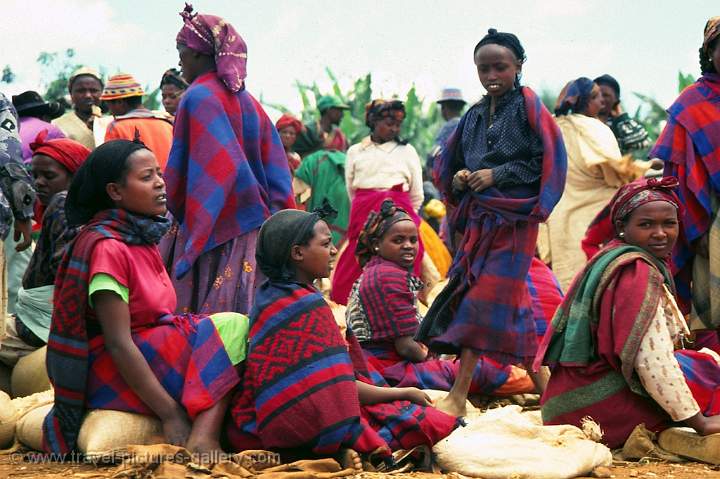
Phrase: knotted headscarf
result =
(635, 194)
(288, 120)
(377, 224)
(712, 31)
(280, 233)
(378, 109)
(65, 151)
(574, 97)
(213, 36)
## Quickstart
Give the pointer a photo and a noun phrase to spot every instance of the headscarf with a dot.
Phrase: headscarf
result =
(635, 194)
(377, 224)
(712, 31)
(65, 151)
(211, 35)
(106, 164)
(288, 120)
(574, 97)
(280, 233)
(378, 109)
(173, 77)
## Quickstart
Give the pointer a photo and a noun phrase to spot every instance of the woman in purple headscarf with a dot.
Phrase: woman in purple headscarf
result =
(226, 174)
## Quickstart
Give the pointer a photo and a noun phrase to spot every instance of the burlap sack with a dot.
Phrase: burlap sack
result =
(29, 375)
(8, 417)
(29, 427)
(504, 442)
(105, 430)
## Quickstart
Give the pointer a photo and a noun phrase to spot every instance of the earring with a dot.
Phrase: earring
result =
(377, 249)
(621, 234)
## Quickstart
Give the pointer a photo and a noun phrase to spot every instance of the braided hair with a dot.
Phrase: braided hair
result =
(507, 40)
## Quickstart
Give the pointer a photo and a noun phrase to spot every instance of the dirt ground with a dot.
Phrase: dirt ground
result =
(15, 466)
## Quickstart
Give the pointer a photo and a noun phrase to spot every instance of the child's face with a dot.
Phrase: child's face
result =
(143, 191)
(399, 244)
(314, 260)
(288, 136)
(497, 69)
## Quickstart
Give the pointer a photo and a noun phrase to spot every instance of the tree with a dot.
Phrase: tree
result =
(8, 76)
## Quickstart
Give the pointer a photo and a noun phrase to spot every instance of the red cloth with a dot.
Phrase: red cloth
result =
(65, 151)
(289, 120)
(612, 393)
(141, 270)
(348, 269)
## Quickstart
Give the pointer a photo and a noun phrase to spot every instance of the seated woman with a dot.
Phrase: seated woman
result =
(114, 340)
(304, 388)
(611, 353)
(54, 162)
(382, 313)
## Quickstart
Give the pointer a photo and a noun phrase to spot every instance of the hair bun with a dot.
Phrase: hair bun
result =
(492, 31)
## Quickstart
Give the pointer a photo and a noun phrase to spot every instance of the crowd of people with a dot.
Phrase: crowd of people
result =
(181, 264)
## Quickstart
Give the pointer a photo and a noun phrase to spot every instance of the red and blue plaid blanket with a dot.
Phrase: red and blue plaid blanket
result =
(690, 147)
(227, 171)
(486, 305)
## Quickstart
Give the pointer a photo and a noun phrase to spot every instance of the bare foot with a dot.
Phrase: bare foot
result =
(206, 452)
(448, 405)
(349, 459)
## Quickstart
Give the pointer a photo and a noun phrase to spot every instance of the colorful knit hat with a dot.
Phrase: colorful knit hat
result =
(121, 86)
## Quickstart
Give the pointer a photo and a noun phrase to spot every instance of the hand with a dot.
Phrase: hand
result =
(23, 228)
(176, 429)
(480, 180)
(616, 111)
(416, 396)
(460, 179)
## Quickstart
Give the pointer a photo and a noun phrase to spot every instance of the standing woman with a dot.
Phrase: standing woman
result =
(380, 167)
(504, 169)
(690, 147)
(596, 169)
(226, 174)
(172, 87)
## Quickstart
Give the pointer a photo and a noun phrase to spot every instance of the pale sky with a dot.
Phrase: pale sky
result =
(643, 43)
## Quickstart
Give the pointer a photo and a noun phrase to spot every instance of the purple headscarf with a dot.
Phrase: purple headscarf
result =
(574, 97)
(213, 36)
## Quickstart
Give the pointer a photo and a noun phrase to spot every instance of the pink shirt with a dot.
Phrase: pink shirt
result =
(141, 270)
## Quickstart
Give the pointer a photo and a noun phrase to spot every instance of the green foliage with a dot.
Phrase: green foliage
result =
(8, 76)
(56, 70)
(419, 128)
(152, 99)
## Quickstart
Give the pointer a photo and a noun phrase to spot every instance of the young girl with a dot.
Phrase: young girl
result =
(114, 340)
(612, 353)
(379, 167)
(505, 169)
(383, 316)
(304, 386)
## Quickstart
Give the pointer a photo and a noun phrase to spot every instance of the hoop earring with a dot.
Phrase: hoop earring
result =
(621, 234)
